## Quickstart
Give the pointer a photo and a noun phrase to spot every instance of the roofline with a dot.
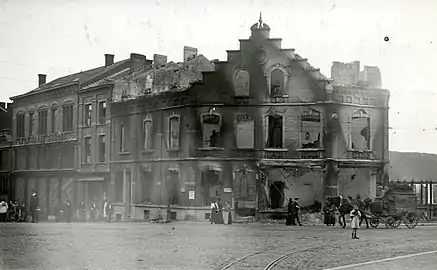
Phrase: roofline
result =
(83, 90)
(32, 93)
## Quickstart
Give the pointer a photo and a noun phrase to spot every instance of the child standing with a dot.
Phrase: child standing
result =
(355, 224)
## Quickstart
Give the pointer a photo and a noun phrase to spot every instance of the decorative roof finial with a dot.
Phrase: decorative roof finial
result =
(260, 20)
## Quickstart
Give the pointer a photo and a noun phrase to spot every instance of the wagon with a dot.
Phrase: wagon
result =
(398, 204)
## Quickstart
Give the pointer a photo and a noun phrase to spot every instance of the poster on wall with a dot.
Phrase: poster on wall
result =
(191, 194)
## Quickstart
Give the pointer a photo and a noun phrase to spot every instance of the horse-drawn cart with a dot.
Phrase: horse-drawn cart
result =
(398, 204)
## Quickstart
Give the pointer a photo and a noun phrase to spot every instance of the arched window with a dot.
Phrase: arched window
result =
(360, 130)
(242, 83)
(211, 124)
(147, 133)
(277, 83)
(174, 127)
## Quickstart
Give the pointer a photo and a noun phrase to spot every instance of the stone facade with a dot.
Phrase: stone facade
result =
(6, 188)
(259, 128)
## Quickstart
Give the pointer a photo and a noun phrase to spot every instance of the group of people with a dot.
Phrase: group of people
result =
(293, 212)
(221, 214)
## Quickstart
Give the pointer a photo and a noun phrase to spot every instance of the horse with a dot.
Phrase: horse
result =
(344, 208)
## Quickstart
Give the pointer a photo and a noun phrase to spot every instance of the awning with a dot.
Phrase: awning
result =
(91, 179)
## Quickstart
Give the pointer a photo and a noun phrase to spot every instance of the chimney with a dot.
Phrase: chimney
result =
(189, 52)
(109, 60)
(137, 61)
(159, 60)
(41, 79)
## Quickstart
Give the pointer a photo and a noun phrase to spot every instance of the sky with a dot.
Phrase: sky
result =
(58, 37)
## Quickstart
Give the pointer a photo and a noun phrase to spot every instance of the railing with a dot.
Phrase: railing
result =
(357, 154)
(310, 153)
(275, 153)
(48, 138)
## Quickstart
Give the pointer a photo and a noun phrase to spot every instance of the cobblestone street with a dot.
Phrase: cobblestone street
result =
(205, 246)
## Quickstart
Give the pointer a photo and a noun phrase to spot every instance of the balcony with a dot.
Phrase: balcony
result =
(311, 153)
(210, 152)
(360, 154)
(274, 153)
(48, 138)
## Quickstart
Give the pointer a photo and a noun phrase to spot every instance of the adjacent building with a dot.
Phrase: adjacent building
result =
(6, 188)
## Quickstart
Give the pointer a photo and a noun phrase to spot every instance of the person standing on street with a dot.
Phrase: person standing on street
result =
(34, 206)
(296, 208)
(109, 210)
(3, 211)
(355, 223)
(213, 212)
(219, 212)
(68, 211)
(290, 217)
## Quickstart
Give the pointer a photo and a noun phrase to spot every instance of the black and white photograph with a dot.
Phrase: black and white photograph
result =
(222, 135)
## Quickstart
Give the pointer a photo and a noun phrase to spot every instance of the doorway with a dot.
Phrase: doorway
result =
(277, 194)
(211, 186)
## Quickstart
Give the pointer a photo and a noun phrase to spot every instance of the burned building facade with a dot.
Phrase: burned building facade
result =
(254, 130)
(6, 188)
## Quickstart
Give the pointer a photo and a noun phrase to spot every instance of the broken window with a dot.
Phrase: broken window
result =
(211, 186)
(245, 131)
(211, 130)
(174, 126)
(311, 127)
(173, 187)
(88, 112)
(102, 112)
(360, 130)
(147, 134)
(242, 83)
(87, 150)
(274, 131)
(277, 83)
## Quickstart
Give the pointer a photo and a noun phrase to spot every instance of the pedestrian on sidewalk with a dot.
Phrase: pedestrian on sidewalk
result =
(227, 219)
(33, 206)
(3, 211)
(355, 223)
(213, 212)
(289, 220)
(332, 211)
(296, 209)
(326, 213)
(219, 214)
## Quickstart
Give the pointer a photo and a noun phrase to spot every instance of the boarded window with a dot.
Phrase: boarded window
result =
(311, 129)
(242, 83)
(245, 131)
(147, 135)
(211, 131)
(277, 82)
(274, 131)
(360, 130)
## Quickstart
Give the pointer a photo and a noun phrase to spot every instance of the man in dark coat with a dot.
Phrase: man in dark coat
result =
(68, 211)
(33, 206)
(289, 220)
(296, 208)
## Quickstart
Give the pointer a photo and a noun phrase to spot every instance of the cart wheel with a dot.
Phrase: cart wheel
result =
(374, 222)
(390, 222)
(411, 220)
(397, 223)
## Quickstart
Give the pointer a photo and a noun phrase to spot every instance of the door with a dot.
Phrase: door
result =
(277, 195)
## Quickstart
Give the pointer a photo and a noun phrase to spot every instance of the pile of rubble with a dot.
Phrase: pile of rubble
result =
(307, 218)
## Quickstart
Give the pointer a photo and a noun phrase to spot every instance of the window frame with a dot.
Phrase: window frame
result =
(85, 156)
(170, 131)
(99, 148)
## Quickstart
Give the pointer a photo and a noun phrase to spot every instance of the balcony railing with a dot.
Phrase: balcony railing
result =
(274, 153)
(360, 154)
(48, 138)
(311, 153)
